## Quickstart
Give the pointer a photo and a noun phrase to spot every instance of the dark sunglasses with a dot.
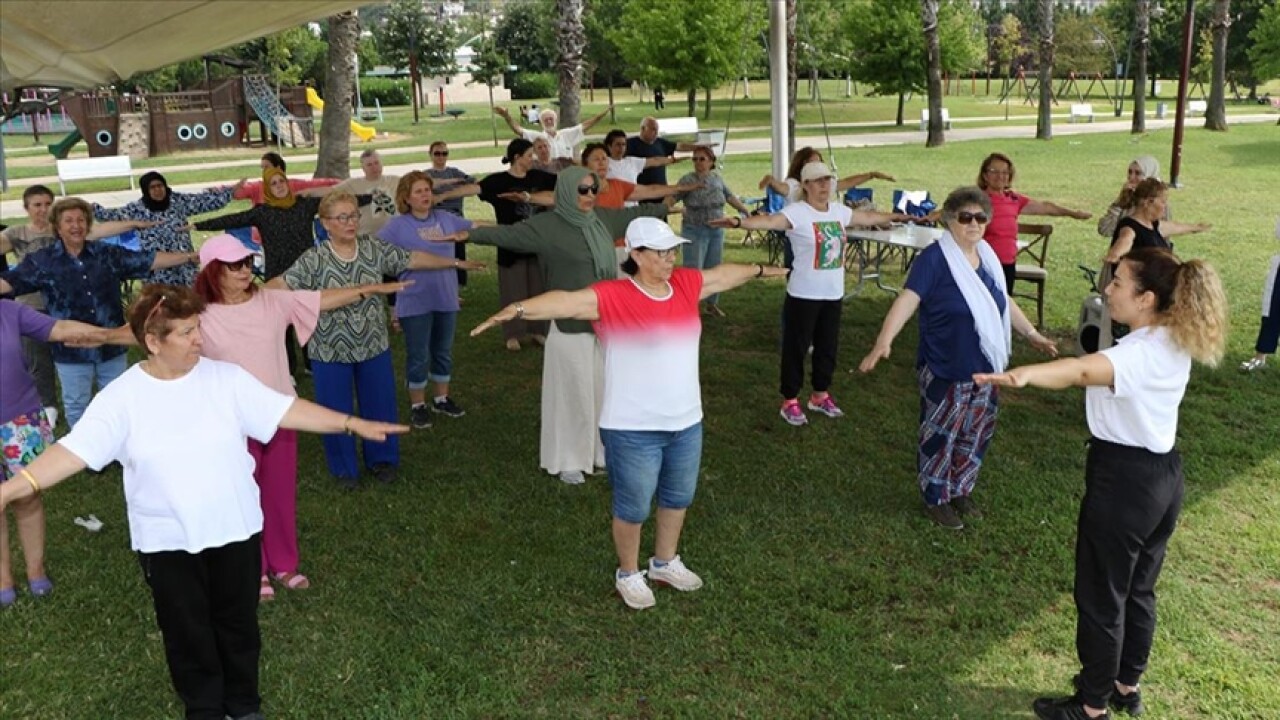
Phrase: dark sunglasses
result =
(592, 189)
(964, 218)
(440, 153)
(240, 264)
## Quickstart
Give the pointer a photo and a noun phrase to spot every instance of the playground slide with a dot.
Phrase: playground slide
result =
(364, 132)
(63, 146)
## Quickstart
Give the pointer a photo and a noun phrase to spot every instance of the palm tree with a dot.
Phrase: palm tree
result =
(339, 88)
(1215, 117)
(1044, 119)
(1141, 42)
(571, 40)
(933, 57)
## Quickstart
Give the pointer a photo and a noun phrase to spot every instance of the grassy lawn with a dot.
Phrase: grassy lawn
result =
(479, 587)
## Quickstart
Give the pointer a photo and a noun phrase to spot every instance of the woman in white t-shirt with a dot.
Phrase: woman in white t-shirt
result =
(651, 424)
(1269, 333)
(1133, 474)
(179, 423)
(815, 229)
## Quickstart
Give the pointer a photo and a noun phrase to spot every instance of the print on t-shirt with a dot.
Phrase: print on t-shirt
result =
(828, 238)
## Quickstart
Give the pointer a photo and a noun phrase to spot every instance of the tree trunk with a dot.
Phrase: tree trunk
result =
(613, 118)
(692, 98)
(1215, 117)
(933, 57)
(333, 159)
(902, 102)
(791, 77)
(1141, 42)
(571, 40)
(706, 98)
(1044, 118)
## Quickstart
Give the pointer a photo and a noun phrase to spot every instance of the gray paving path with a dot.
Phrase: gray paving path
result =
(743, 146)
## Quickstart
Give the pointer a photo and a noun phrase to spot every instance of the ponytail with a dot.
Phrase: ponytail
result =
(1190, 301)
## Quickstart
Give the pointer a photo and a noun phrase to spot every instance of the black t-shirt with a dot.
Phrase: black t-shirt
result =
(1143, 236)
(660, 147)
(510, 212)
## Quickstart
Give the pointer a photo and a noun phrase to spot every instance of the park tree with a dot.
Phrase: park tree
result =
(1080, 45)
(604, 56)
(410, 37)
(933, 68)
(1264, 53)
(1006, 44)
(1141, 45)
(526, 37)
(571, 42)
(1215, 116)
(1044, 117)
(697, 47)
(333, 159)
(488, 66)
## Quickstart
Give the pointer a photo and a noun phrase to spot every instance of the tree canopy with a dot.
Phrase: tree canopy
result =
(889, 50)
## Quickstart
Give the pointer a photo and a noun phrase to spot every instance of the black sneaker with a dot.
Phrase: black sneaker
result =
(1131, 703)
(420, 416)
(385, 473)
(448, 407)
(1063, 708)
(966, 507)
(944, 516)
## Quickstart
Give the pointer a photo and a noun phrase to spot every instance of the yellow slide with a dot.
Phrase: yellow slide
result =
(364, 132)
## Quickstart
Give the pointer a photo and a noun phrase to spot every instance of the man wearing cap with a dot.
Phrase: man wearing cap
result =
(651, 424)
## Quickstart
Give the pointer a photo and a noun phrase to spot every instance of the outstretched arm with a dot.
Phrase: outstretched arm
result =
(591, 122)
(728, 276)
(899, 313)
(170, 259)
(653, 192)
(114, 227)
(506, 115)
(50, 468)
(1044, 207)
(1169, 228)
(1088, 371)
(1122, 245)
(776, 221)
(431, 261)
(332, 298)
(309, 417)
(554, 305)
(855, 180)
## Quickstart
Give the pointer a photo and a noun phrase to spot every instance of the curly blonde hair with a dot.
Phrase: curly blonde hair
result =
(1190, 301)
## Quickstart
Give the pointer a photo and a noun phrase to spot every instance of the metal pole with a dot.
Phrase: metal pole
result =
(778, 84)
(1188, 39)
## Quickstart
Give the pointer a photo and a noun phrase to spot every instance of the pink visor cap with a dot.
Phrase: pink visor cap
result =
(223, 248)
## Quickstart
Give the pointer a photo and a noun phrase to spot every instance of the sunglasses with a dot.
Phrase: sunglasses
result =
(242, 263)
(592, 189)
(440, 153)
(964, 218)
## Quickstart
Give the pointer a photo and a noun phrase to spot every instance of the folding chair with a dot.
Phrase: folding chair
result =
(1037, 249)
(855, 257)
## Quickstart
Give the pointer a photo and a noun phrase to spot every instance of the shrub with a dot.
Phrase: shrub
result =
(531, 86)
(387, 91)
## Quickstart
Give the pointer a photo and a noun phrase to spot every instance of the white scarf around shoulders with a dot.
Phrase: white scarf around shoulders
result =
(995, 334)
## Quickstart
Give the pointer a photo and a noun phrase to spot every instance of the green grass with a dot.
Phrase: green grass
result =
(478, 587)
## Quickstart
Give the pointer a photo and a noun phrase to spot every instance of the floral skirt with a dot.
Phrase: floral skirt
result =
(21, 440)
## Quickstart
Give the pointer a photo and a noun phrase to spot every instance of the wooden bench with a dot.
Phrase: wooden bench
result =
(93, 168)
(1197, 107)
(1081, 110)
(924, 119)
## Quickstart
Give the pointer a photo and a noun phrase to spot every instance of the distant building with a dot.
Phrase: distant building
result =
(461, 87)
(1085, 5)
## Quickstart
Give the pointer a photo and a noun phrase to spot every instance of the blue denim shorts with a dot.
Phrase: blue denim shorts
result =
(645, 462)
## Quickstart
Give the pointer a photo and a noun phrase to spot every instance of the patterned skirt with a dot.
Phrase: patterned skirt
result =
(957, 422)
(21, 440)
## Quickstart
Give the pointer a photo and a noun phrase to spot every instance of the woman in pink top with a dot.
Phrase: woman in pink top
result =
(246, 325)
(996, 178)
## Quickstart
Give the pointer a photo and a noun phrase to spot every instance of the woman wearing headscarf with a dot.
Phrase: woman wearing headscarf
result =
(519, 276)
(574, 244)
(965, 322)
(169, 211)
(1142, 168)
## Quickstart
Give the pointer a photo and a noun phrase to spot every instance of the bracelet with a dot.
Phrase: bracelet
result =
(519, 310)
(759, 270)
(455, 264)
(738, 222)
(35, 486)
(346, 425)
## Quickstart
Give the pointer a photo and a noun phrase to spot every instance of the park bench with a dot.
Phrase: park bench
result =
(93, 168)
(678, 126)
(924, 119)
(1081, 110)
(1197, 107)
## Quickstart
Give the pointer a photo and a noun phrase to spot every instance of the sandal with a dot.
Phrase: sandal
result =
(292, 580)
(266, 593)
(40, 586)
(8, 596)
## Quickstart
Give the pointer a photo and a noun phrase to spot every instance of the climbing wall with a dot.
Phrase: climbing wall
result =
(135, 135)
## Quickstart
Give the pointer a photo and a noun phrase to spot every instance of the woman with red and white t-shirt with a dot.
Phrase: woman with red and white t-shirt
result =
(815, 291)
(996, 178)
(652, 430)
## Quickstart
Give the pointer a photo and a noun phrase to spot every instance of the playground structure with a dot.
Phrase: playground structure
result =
(364, 132)
(35, 112)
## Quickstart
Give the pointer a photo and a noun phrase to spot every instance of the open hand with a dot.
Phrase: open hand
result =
(386, 288)
(1005, 379)
(472, 265)
(878, 353)
(506, 314)
(1043, 344)
(375, 430)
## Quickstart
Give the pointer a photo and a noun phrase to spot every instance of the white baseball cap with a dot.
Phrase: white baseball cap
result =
(815, 171)
(652, 233)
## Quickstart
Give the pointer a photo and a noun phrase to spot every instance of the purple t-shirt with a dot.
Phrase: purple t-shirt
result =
(18, 394)
(432, 290)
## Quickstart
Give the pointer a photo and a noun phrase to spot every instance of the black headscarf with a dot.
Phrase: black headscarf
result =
(152, 205)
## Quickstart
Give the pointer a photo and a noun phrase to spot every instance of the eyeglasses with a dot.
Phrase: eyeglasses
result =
(242, 263)
(440, 153)
(697, 158)
(344, 218)
(964, 218)
(667, 254)
(993, 171)
(592, 189)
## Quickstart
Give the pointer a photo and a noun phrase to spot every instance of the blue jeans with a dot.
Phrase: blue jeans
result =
(428, 337)
(374, 384)
(642, 462)
(77, 383)
(704, 251)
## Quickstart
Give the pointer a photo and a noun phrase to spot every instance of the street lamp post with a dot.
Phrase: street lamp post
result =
(1115, 63)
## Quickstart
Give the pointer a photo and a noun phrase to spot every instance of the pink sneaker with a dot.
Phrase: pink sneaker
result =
(792, 413)
(826, 406)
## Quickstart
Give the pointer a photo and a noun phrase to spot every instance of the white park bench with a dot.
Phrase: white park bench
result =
(924, 119)
(1197, 107)
(93, 168)
(1081, 110)
(713, 139)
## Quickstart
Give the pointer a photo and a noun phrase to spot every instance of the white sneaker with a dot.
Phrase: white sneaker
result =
(675, 574)
(51, 413)
(572, 477)
(634, 591)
